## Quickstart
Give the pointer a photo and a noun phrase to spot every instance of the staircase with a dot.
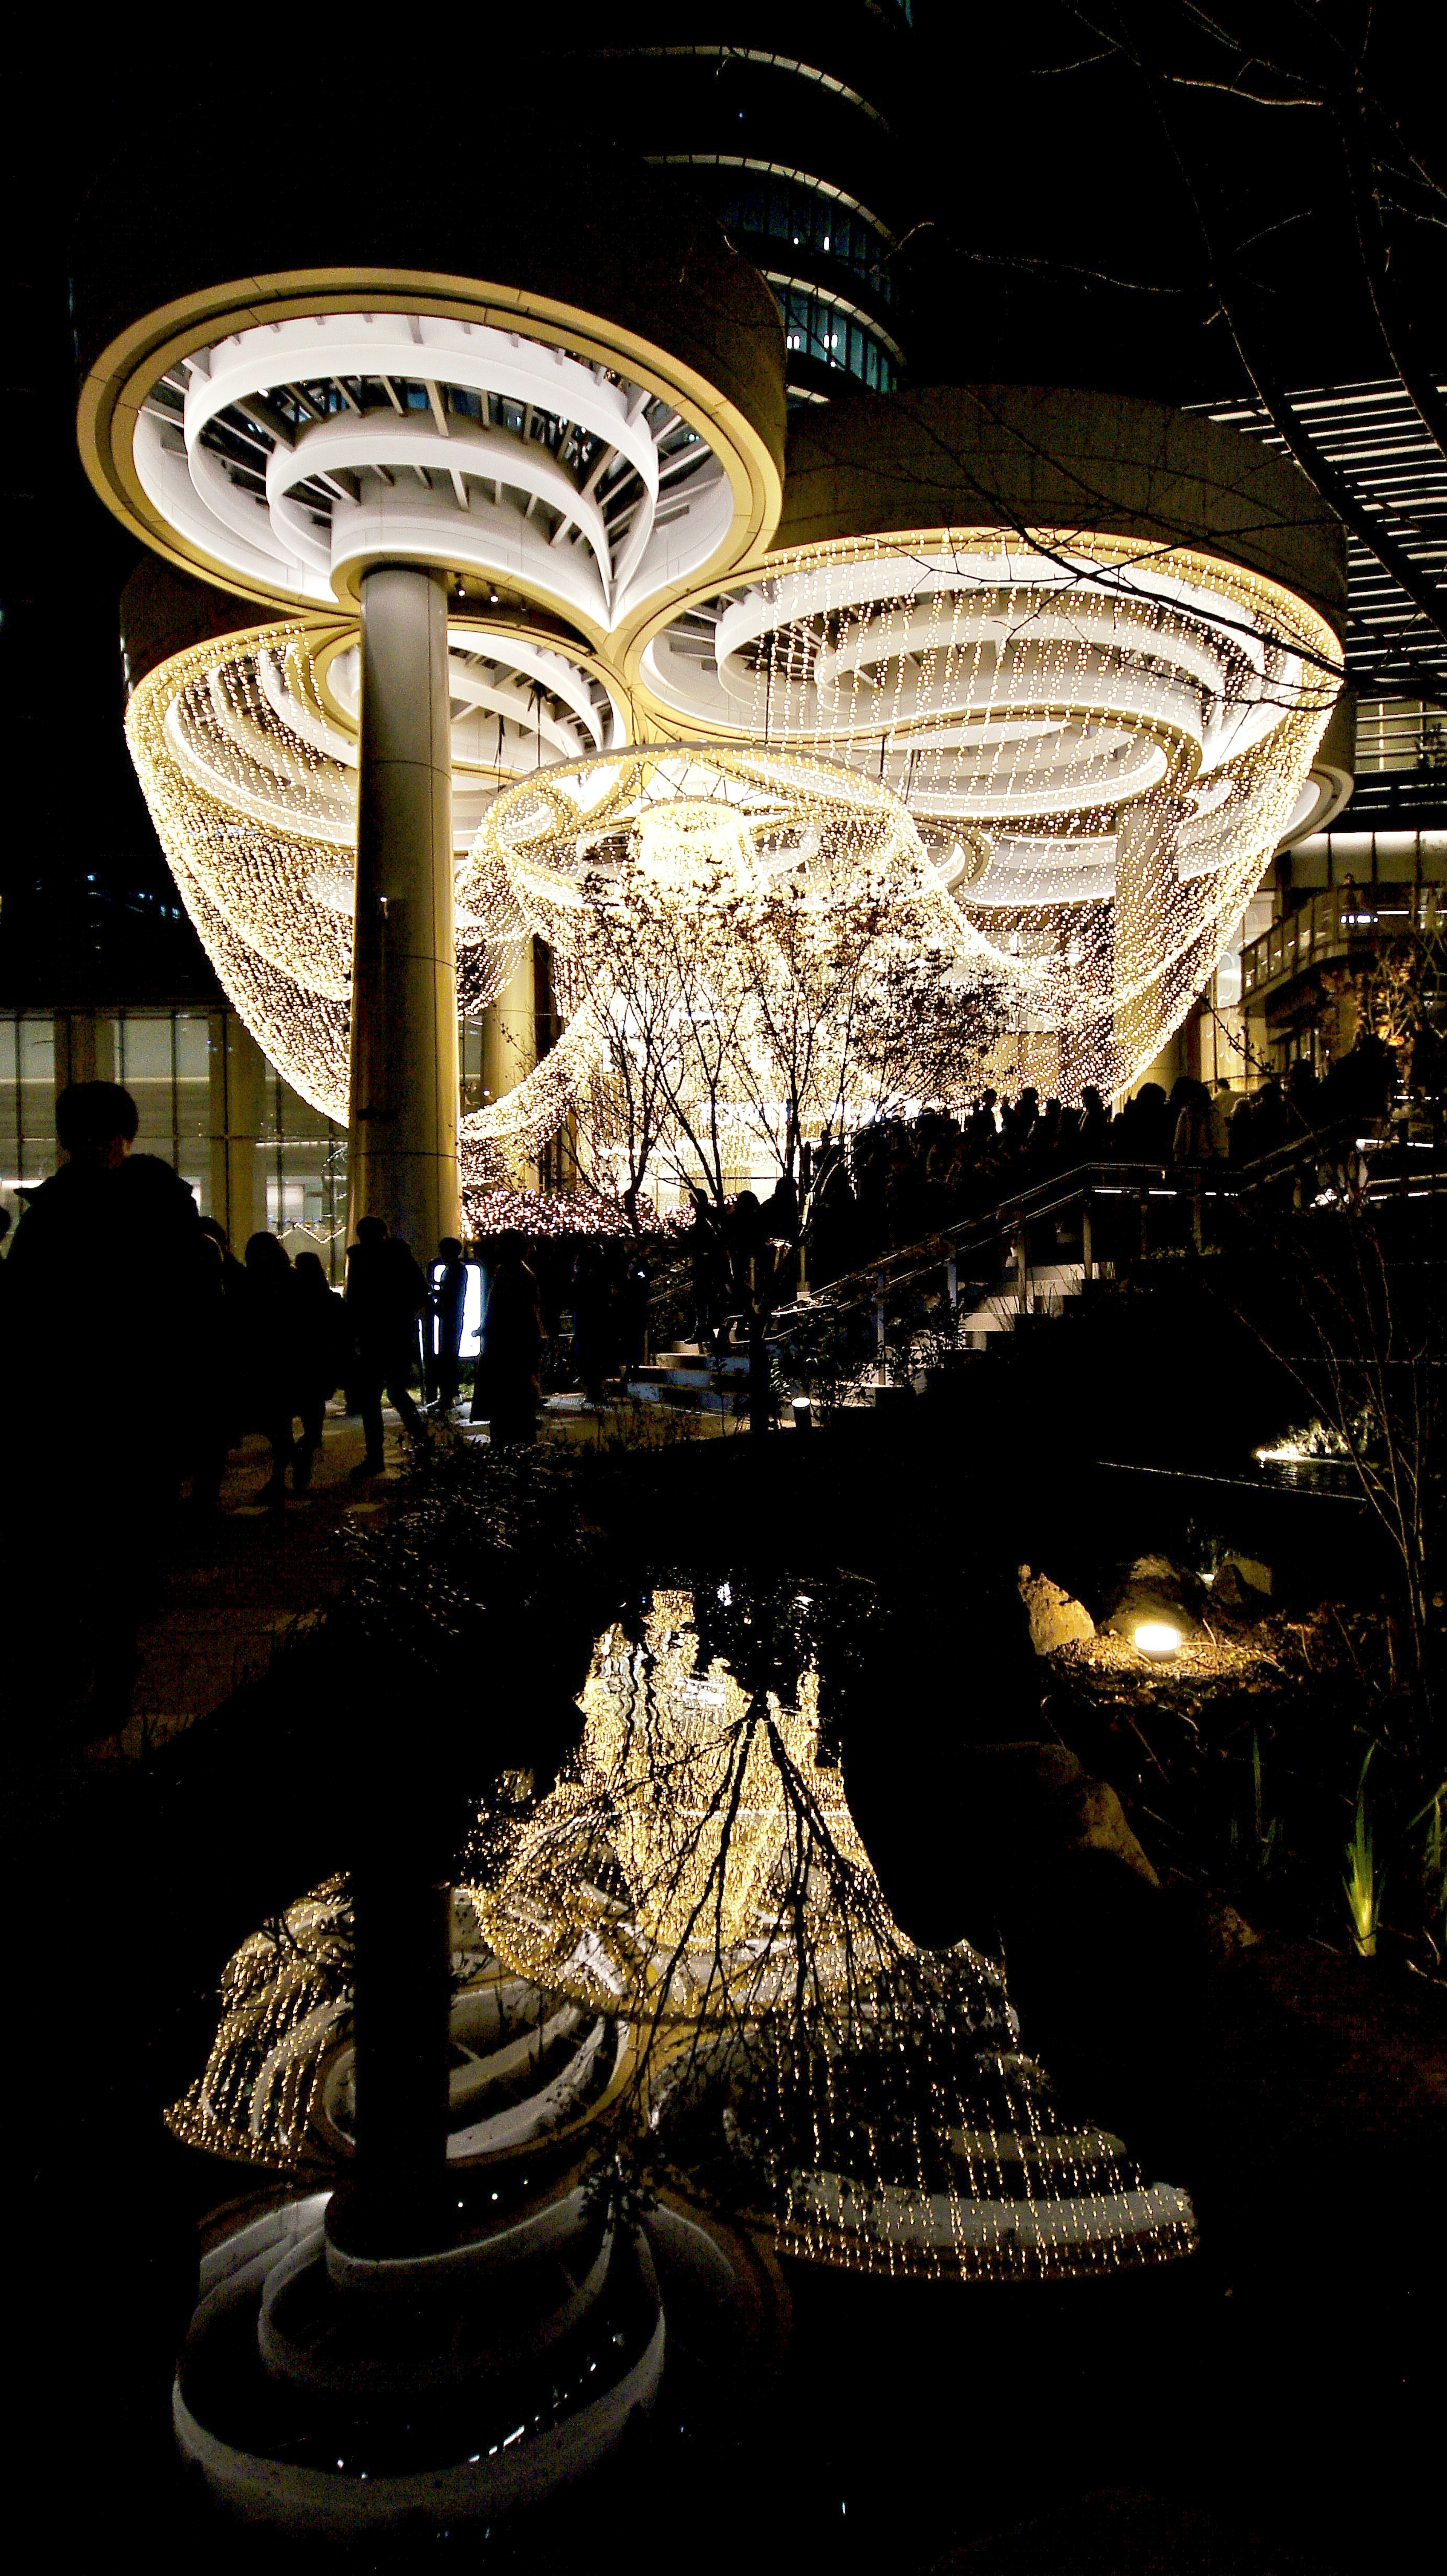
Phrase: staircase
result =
(685, 1374)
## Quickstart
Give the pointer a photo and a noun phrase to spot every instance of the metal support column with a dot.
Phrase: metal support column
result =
(404, 1092)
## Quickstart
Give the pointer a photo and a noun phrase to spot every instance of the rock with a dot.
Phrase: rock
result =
(1056, 1618)
(1231, 1591)
(1037, 1803)
(1154, 1588)
(1250, 1571)
(1216, 1931)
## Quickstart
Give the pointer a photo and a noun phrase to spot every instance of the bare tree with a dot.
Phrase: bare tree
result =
(731, 1027)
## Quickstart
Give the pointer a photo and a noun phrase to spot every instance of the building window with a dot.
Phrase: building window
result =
(819, 330)
(305, 1158)
(772, 208)
(28, 1151)
(1398, 734)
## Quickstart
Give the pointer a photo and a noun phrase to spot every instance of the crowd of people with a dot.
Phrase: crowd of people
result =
(134, 1331)
(902, 1179)
(186, 1348)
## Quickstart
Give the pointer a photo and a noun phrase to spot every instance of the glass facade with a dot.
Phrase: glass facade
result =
(1396, 734)
(164, 1060)
(27, 1104)
(822, 331)
(304, 1161)
(786, 210)
(209, 1104)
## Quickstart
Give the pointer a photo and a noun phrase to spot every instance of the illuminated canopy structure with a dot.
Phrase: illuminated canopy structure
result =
(1090, 725)
(418, 417)
(1103, 695)
(534, 513)
(743, 941)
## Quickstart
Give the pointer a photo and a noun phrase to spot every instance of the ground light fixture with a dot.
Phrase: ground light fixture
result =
(1157, 1638)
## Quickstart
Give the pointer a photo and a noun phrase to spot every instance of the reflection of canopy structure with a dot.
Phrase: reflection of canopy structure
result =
(278, 2086)
(698, 1873)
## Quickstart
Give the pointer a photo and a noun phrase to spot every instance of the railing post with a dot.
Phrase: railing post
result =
(1022, 1268)
(952, 1283)
(880, 1372)
(1087, 1237)
(1198, 1193)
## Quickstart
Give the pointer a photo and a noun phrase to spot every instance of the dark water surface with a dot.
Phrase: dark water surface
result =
(1267, 2405)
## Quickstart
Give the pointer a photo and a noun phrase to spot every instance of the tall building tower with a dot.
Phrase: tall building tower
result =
(787, 123)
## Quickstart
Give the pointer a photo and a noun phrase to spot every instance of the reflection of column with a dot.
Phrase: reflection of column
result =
(403, 1144)
(237, 1076)
(510, 1039)
(402, 1920)
(1146, 885)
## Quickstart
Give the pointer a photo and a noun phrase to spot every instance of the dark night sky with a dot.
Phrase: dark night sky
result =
(1032, 189)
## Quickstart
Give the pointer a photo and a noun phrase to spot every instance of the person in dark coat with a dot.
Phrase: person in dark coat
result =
(446, 1301)
(386, 1293)
(272, 1359)
(111, 1298)
(111, 1287)
(593, 1320)
(507, 1390)
(324, 1350)
(221, 1403)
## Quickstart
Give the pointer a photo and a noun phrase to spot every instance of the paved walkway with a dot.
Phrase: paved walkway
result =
(239, 1586)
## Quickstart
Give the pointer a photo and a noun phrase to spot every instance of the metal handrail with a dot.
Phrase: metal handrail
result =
(1324, 927)
(1079, 1187)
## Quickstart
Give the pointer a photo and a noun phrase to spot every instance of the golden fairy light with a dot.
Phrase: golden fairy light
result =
(1058, 763)
(746, 944)
(250, 777)
(1101, 744)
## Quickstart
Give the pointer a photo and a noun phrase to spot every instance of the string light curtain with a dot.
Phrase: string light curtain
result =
(747, 944)
(1101, 745)
(1055, 765)
(253, 796)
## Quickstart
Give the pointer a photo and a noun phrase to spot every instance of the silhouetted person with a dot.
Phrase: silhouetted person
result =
(1243, 1129)
(1194, 1137)
(633, 1313)
(110, 1295)
(221, 1399)
(593, 1321)
(1268, 1120)
(272, 1358)
(324, 1346)
(1303, 1097)
(1094, 1129)
(507, 1391)
(1374, 1074)
(446, 1303)
(385, 1294)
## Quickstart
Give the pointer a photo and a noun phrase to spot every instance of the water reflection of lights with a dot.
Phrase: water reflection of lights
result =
(698, 1871)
